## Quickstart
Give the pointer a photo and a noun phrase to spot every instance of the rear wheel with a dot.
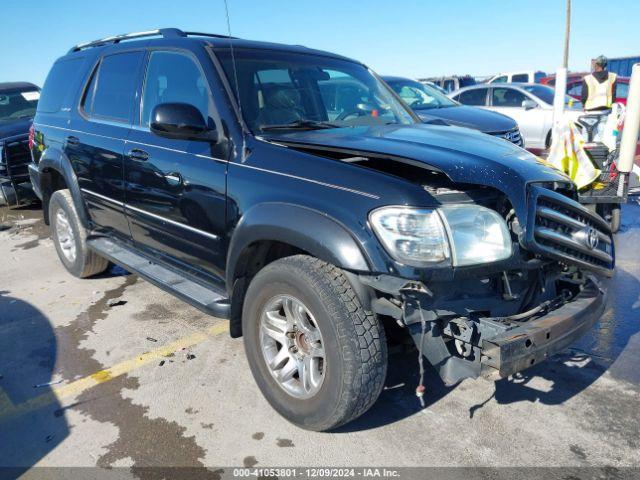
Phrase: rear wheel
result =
(69, 237)
(612, 214)
(317, 355)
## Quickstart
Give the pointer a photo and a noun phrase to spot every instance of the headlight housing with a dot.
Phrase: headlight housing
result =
(457, 234)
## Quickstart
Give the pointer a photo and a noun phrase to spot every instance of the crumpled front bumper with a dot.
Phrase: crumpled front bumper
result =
(535, 340)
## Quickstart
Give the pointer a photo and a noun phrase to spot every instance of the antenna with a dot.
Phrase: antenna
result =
(235, 72)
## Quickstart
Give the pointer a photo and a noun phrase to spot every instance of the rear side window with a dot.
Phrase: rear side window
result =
(112, 88)
(520, 78)
(57, 89)
(476, 97)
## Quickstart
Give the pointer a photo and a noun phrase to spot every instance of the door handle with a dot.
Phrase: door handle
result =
(71, 140)
(137, 154)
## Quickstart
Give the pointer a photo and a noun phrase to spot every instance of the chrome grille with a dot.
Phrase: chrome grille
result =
(565, 230)
(15, 157)
(512, 136)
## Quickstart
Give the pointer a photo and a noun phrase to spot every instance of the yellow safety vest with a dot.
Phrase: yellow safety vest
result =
(600, 94)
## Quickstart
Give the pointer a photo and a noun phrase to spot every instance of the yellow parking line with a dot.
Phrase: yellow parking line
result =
(8, 409)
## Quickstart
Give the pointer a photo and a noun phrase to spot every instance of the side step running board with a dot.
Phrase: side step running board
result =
(207, 299)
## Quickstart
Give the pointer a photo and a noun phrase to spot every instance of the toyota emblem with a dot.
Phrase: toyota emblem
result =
(591, 238)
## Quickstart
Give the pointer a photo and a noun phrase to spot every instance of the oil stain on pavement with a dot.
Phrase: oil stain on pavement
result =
(142, 440)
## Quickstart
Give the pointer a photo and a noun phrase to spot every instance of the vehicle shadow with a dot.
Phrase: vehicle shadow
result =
(32, 422)
(567, 374)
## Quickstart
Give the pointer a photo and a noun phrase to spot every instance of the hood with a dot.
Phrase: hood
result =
(469, 117)
(18, 127)
(464, 155)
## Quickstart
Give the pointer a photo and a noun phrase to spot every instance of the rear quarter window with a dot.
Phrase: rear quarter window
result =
(59, 85)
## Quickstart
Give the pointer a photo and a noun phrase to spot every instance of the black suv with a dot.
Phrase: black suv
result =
(292, 192)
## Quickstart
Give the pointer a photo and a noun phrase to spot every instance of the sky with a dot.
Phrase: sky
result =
(414, 38)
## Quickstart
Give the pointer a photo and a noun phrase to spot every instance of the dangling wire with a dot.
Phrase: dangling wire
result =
(420, 388)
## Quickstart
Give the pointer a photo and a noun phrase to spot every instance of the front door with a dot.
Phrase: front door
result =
(508, 101)
(175, 189)
(95, 141)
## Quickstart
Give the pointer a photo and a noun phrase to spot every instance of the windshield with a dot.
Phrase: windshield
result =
(419, 96)
(546, 94)
(17, 104)
(283, 90)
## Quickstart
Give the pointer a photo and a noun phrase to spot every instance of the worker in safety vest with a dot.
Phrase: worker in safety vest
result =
(599, 87)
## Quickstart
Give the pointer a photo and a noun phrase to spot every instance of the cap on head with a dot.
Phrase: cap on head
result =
(601, 61)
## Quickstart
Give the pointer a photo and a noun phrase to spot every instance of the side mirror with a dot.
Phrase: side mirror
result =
(180, 121)
(529, 104)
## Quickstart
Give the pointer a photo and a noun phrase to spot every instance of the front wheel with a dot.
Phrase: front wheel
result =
(317, 355)
(69, 237)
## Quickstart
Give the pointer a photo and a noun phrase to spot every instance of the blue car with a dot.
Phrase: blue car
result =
(432, 106)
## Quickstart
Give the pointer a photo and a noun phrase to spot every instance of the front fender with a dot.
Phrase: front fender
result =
(54, 160)
(304, 228)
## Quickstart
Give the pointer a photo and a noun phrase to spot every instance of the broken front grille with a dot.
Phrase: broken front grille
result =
(15, 158)
(563, 229)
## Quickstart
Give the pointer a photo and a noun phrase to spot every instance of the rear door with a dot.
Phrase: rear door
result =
(95, 141)
(176, 188)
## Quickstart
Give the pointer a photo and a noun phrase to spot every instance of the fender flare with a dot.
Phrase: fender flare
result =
(54, 159)
(302, 227)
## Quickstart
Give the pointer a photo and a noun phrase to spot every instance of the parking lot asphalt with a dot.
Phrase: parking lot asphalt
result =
(113, 372)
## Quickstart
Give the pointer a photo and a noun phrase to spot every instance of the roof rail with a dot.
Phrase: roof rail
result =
(161, 32)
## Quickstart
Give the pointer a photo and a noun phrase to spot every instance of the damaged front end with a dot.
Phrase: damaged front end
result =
(499, 318)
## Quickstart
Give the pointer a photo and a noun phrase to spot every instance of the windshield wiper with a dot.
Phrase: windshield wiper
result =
(300, 125)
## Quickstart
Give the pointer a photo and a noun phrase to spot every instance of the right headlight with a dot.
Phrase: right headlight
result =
(462, 234)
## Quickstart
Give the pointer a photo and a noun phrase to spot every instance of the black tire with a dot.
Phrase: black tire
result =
(612, 214)
(353, 338)
(86, 262)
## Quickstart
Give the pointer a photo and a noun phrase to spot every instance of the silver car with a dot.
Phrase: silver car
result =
(529, 104)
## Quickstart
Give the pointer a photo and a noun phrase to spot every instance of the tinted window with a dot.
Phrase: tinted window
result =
(520, 78)
(174, 77)
(57, 86)
(575, 89)
(111, 93)
(507, 97)
(501, 79)
(449, 85)
(281, 90)
(476, 96)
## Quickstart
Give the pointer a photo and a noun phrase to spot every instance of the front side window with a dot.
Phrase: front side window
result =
(284, 90)
(174, 77)
(474, 97)
(18, 104)
(507, 97)
(520, 78)
(112, 88)
(501, 79)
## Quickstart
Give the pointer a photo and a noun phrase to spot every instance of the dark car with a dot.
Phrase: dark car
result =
(289, 191)
(431, 105)
(18, 101)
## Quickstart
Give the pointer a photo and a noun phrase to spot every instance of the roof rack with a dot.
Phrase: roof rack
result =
(161, 32)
